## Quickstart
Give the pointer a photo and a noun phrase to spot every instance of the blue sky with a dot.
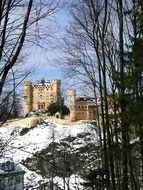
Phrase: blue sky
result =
(44, 65)
(45, 62)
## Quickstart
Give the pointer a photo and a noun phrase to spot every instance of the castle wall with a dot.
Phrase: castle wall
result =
(27, 97)
(57, 91)
(81, 110)
(92, 112)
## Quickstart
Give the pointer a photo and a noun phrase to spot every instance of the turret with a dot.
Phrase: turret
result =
(27, 97)
(72, 94)
(57, 90)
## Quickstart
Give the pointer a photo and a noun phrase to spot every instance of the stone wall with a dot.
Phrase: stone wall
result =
(82, 108)
(40, 95)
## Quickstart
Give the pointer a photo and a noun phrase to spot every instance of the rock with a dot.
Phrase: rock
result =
(33, 122)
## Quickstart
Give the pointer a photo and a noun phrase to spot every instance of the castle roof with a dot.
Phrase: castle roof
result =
(85, 99)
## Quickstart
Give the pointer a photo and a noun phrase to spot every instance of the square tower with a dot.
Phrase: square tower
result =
(41, 95)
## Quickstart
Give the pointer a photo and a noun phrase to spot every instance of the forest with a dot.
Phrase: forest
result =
(103, 49)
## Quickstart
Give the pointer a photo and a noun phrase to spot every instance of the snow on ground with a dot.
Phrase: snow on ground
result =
(32, 179)
(74, 182)
(21, 147)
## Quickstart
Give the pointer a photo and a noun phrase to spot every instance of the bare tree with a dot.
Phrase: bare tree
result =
(22, 24)
(101, 50)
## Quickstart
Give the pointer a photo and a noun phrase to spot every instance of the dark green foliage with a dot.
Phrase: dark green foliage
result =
(63, 159)
(119, 63)
(10, 106)
(65, 110)
(24, 131)
(4, 110)
(54, 108)
(95, 179)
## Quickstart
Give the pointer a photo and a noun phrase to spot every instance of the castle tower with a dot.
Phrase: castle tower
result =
(27, 97)
(72, 94)
(57, 91)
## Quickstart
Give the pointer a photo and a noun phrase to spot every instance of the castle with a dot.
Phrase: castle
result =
(40, 95)
(82, 108)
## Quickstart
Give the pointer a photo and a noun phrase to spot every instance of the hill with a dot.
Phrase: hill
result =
(51, 153)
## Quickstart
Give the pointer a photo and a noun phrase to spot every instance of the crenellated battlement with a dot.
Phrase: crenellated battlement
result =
(41, 94)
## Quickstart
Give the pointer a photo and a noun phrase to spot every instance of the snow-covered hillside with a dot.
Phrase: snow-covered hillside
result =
(22, 143)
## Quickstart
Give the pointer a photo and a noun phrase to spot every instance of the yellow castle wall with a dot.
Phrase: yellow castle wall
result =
(81, 110)
(41, 96)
